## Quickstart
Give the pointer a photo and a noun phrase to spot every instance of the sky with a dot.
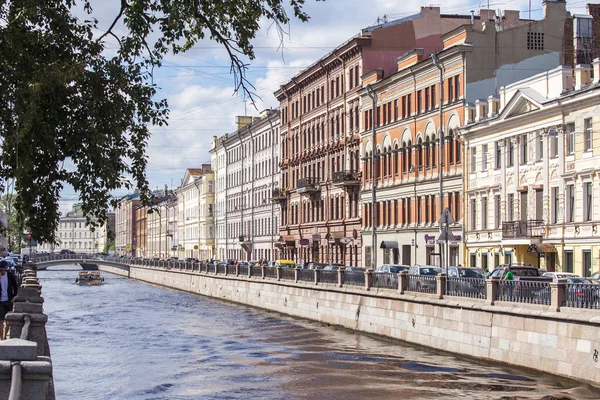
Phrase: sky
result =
(200, 89)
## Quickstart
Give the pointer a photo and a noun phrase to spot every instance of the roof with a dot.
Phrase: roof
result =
(195, 171)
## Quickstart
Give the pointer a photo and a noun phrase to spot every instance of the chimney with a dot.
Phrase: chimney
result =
(487, 15)
(493, 106)
(596, 68)
(480, 110)
(554, 9)
(242, 121)
(472, 18)
(583, 76)
(469, 113)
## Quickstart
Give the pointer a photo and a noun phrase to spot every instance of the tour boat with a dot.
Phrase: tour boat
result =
(90, 278)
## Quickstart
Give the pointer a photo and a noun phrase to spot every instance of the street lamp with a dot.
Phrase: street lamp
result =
(441, 160)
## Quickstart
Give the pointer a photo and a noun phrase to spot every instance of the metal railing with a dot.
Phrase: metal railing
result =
(306, 275)
(523, 229)
(255, 270)
(243, 270)
(270, 272)
(422, 283)
(475, 288)
(354, 278)
(346, 177)
(387, 280)
(230, 269)
(524, 292)
(582, 295)
(289, 274)
(328, 276)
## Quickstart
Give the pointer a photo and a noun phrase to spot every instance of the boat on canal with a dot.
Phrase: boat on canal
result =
(90, 278)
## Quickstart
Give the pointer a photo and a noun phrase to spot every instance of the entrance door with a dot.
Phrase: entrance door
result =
(406, 251)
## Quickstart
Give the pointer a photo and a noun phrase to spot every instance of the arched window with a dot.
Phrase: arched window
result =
(451, 146)
(427, 150)
(409, 155)
(420, 153)
(433, 152)
(396, 159)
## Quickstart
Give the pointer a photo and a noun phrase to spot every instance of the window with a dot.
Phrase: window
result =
(426, 98)
(570, 202)
(484, 151)
(473, 215)
(554, 204)
(588, 201)
(498, 157)
(554, 145)
(456, 87)
(497, 211)
(396, 110)
(524, 149)
(587, 263)
(535, 41)
(511, 154)
(570, 133)
(409, 104)
(540, 147)
(473, 160)
(484, 261)
(587, 134)
(403, 106)
(419, 100)
(450, 90)
(568, 261)
(510, 201)
(484, 212)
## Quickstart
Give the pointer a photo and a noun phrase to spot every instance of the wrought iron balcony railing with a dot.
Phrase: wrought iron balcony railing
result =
(531, 228)
(346, 178)
(279, 195)
(308, 185)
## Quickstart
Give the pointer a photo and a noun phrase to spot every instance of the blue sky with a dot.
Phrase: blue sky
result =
(199, 87)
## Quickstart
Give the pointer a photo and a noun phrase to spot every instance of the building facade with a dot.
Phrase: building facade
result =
(410, 195)
(193, 205)
(106, 233)
(162, 228)
(73, 234)
(533, 170)
(125, 226)
(140, 243)
(247, 173)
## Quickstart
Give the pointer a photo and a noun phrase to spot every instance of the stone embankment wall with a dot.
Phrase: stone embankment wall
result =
(114, 270)
(561, 343)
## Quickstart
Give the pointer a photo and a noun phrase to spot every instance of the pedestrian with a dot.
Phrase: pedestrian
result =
(508, 276)
(8, 290)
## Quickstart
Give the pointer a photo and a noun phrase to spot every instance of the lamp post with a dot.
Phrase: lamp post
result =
(441, 160)
(373, 96)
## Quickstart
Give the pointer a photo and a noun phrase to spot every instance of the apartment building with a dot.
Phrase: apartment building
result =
(193, 208)
(73, 234)
(471, 61)
(533, 170)
(247, 173)
(106, 232)
(140, 243)
(162, 227)
(125, 226)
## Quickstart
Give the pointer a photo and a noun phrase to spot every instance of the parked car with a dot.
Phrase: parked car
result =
(424, 270)
(285, 264)
(476, 283)
(392, 268)
(354, 269)
(522, 273)
(595, 275)
(315, 265)
(557, 275)
(191, 259)
(576, 295)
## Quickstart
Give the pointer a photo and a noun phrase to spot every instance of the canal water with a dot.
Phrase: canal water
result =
(131, 340)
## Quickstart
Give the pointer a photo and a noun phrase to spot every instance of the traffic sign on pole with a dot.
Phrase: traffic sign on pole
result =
(446, 217)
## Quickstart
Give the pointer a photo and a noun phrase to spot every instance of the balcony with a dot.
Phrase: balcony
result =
(279, 195)
(346, 178)
(528, 229)
(308, 186)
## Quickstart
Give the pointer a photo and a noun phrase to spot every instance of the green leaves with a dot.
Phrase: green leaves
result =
(70, 114)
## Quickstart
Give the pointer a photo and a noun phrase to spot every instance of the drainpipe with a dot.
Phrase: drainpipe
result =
(441, 163)
(373, 96)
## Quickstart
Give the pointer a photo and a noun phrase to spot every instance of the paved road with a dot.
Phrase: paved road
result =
(130, 340)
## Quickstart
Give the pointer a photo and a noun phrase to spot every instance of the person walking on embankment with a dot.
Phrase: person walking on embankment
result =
(8, 290)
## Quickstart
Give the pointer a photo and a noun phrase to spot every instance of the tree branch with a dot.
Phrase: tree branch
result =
(124, 6)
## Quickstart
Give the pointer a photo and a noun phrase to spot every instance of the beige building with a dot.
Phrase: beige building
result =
(106, 232)
(532, 183)
(73, 234)
(162, 228)
(195, 208)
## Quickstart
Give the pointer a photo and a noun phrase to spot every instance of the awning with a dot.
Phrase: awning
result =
(287, 240)
(335, 236)
(541, 248)
(389, 244)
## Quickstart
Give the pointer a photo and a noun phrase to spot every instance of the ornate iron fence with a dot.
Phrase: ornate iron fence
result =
(328, 276)
(387, 280)
(256, 270)
(221, 268)
(289, 274)
(230, 269)
(524, 292)
(306, 275)
(422, 284)
(354, 278)
(270, 272)
(243, 270)
(467, 287)
(583, 295)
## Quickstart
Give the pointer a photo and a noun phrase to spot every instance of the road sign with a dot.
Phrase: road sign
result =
(195, 247)
(446, 217)
(446, 235)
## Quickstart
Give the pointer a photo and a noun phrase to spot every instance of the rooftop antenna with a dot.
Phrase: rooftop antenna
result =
(530, 10)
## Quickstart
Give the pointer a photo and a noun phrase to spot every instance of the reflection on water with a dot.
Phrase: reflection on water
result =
(130, 340)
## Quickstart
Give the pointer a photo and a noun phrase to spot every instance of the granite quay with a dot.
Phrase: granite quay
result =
(528, 324)
(25, 364)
